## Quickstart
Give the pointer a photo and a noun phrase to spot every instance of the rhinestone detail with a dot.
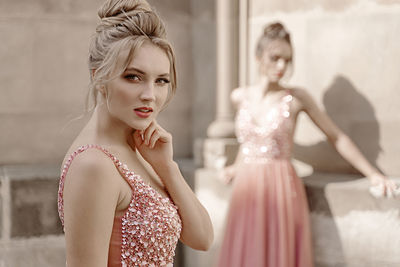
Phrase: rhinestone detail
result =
(151, 225)
(269, 140)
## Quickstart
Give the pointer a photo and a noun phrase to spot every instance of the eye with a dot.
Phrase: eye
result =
(162, 81)
(132, 77)
(274, 58)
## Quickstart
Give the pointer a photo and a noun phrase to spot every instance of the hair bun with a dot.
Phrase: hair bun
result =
(115, 8)
(275, 30)
(133, 16)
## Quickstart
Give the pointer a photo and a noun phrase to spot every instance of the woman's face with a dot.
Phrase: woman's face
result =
(275, 60)
(136, 96)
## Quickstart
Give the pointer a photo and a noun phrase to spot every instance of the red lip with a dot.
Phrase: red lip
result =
(143, 112)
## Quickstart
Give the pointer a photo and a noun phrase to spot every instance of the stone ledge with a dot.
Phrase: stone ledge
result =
(31, 171)
(339, 194)
(29, 201)
(48, 251)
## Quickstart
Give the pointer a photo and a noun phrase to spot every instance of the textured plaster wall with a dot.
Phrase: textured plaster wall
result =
(347, 56)
(44, 76)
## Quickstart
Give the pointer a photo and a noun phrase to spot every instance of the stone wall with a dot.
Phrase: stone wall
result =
(346, 54)
(30, 230)
(44, 76)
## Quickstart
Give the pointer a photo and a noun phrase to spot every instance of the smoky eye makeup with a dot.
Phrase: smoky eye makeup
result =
(132, 77)
(274, 57)
(163, 81)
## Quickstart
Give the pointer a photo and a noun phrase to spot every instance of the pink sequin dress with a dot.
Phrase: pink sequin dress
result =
(268, 219)
(148, 231)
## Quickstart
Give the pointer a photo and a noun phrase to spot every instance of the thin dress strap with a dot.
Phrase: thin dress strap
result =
(287, 99)
(122, 168)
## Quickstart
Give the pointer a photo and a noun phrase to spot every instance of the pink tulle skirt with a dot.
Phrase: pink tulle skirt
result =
(268, 219)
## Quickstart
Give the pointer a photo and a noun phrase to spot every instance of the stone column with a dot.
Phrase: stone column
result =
(227, 67)
(221, 146)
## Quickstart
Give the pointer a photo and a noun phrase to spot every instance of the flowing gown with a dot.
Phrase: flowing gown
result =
(268, 218)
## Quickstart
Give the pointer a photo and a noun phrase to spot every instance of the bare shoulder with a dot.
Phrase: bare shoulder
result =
(300, 93)
(237, 95)
(92, 166)
(303, 97)
(241, 93)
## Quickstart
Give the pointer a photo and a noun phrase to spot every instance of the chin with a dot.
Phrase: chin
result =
(274, 80)
(142, 125)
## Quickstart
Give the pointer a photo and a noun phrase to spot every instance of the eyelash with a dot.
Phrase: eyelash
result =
(134, 77)
(163, 81)
(276, 58)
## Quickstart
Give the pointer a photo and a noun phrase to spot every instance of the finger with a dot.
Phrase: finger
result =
(137, 138)
(165, 137)
(148, 133)
(154, 138)
(392, 184)
(389, 192)
(390, 187)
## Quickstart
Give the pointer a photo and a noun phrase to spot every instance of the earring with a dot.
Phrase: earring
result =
(102, 89)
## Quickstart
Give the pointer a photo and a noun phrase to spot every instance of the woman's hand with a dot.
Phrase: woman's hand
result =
(381, 186)
(227, 174)
(154, 144)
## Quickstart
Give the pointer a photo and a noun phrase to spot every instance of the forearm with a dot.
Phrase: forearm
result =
(349, 151)
(239, 156)
(197, 230)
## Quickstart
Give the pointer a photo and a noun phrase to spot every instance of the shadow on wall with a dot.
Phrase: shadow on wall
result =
(355, 115)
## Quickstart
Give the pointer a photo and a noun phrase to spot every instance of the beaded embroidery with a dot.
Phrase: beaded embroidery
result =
(272, 139)
(151, 225)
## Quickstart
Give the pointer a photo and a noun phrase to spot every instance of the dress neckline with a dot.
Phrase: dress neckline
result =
(284, 99)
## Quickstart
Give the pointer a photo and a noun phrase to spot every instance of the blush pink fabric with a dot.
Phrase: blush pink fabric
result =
(148, 231)
(268, 219)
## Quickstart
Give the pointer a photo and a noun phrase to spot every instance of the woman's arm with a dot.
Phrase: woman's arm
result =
(156, 148)
(229, 172)
(197, 229)
(343, 144)
(90, 200)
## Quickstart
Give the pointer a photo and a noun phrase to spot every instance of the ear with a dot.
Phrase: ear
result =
(92, 72)
(100, 88)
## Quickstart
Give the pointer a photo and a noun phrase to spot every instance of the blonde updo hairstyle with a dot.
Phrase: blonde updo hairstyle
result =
(273, 31)
(125, 25)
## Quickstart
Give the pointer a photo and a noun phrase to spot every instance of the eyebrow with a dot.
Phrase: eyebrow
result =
(143, 73)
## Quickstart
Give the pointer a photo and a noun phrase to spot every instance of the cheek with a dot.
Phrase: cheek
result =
(162, 96)
(266, 66)
(124, 96)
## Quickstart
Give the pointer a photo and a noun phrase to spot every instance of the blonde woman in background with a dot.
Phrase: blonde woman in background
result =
(268, 221)
(122, 199)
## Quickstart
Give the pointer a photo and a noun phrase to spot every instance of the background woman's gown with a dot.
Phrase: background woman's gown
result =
(268, 218)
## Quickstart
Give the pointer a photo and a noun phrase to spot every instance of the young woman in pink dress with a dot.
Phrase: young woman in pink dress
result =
(122, 199)
(268, 219)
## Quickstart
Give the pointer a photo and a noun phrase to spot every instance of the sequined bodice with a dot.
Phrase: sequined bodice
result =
(150, 227)
(268, 135)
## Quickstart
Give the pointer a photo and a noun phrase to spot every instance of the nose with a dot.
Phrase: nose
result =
(281, 64)
(147, 93)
